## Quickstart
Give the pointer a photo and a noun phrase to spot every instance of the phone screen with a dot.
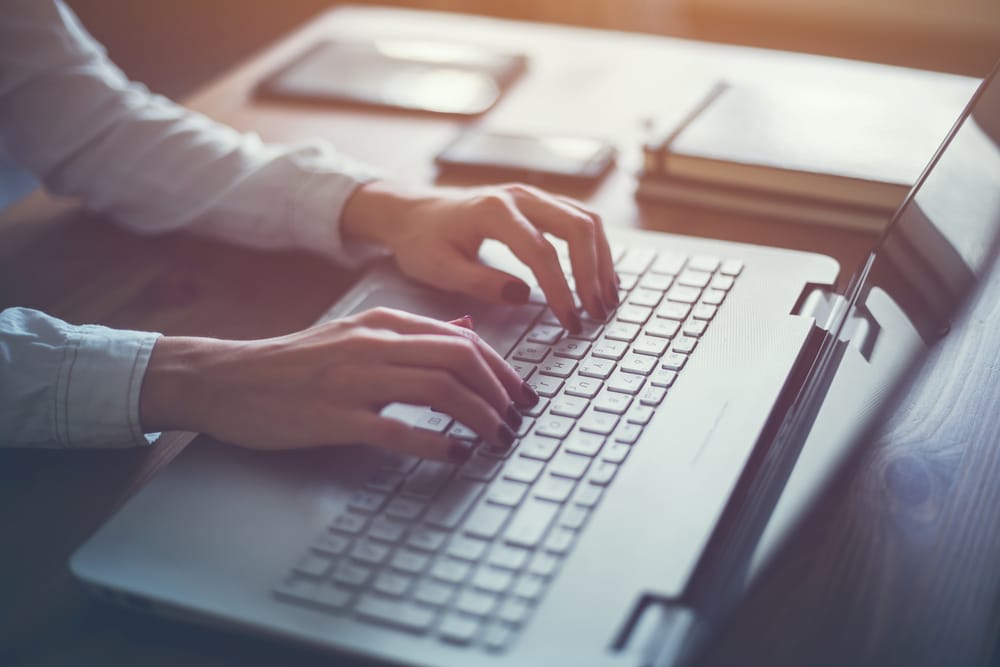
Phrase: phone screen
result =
(570, 156)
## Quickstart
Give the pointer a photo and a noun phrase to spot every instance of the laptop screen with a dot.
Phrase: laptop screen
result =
(944, 235)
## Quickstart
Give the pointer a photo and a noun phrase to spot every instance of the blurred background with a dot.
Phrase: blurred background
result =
(176, 45)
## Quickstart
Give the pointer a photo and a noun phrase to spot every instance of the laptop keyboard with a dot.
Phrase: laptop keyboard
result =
(465, 552)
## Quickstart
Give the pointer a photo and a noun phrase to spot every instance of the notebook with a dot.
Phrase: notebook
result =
(664, 441)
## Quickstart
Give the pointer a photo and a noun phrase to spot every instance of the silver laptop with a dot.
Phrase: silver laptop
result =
(674, 445)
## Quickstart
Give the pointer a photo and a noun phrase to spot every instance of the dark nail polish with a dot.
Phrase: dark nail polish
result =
(506, 436)
(516, 292)
(459, 451)
(513, 417)
(531, 396)
(575, 326)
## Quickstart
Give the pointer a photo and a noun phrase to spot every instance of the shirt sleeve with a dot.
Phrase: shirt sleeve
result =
(69, 386)
(74, 119)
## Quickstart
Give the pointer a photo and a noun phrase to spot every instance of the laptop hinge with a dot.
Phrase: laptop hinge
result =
(828, 309)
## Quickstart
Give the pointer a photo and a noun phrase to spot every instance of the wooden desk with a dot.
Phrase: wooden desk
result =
(56, 258)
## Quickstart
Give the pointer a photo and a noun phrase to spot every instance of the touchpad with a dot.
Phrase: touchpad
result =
(500, 326)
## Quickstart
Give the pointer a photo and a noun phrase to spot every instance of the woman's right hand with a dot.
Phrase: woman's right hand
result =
(327, 385)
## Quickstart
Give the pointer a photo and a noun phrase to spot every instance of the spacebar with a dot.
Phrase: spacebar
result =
(531, 523)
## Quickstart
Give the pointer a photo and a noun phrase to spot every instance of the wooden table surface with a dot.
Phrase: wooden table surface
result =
(904, 561)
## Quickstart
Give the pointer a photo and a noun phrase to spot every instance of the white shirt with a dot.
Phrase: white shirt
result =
(71, 117)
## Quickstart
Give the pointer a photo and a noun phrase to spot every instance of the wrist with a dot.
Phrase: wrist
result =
(377, 211)
(176, 392)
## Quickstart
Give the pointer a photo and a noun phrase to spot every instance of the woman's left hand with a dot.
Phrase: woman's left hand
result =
(436, 233)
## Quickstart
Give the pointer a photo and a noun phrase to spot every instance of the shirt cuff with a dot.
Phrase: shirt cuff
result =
(97, 392)
(318, 204)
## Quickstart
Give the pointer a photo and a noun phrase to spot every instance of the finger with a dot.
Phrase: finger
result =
(503, 221)
(408, 323)
(443, 392)
(395, 436)
(577, 229)
(605, 259)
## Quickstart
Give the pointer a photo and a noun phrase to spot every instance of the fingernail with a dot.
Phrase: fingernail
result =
(531, 396)
(516, 292)
(459, 451)
(513, 417)
(465, 321)
(575, 326)
(506, 436)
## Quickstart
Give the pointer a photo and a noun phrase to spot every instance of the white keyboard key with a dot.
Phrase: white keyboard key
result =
(482, 468)
(545, 334)
(684, 344)
(652, 396)
(656, 281)
(623, 331)
(587, 495)
(571, 349)
(426, 539)
(570, 466)
(553, 426)
(532, 352)
(352, 574)
(639, 414)
(601, 423)
(514, 611)
(476, 603)
(434, 421)
(559, 540)
(662, 328)
(545, 385)
(492, 579)
(332, 543)
(349, 522)
(610, 349)
(673, 361)
(597, 368)
(662, 377)
(507, 556)
(314, 564)
(395, 613)
(627, 281)
(450, 570)
(634, 314)
(523, 470)
(668, 263)
(524, 369)
(537, 409)
(673, 310)
(602, 472)
(641, 364)
(589, 329)
(385, 529)
(557, 367)
(405, 508)
(459, 629)
(650, 345)
(543, 564)
(530, 586)
(465, 547)
(626, 383)
(496, 636)
(612, 401)
(703, 311)
(626, 434)
(713, 297)
(683, 294)
(428, 478)
(392, 584)
(636, 260)
(366, 501)
(538, 447)
(506, 492)
(434, 593)
(731, 267)
(574, 516)
(645, 297)
(448, 509)
(583, 386)
(556, 489)
(694, 327)
(407, 560)
(486, 521)
(703, 263)
(568, 406)
(583, 443)
(693, 278)
(531, 523)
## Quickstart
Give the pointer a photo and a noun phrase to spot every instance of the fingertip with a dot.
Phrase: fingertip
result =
(458, 451)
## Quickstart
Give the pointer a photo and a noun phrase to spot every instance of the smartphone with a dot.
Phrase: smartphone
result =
(417, 75)
(531, 158)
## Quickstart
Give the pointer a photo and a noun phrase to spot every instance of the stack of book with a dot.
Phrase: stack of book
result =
(804, 154)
